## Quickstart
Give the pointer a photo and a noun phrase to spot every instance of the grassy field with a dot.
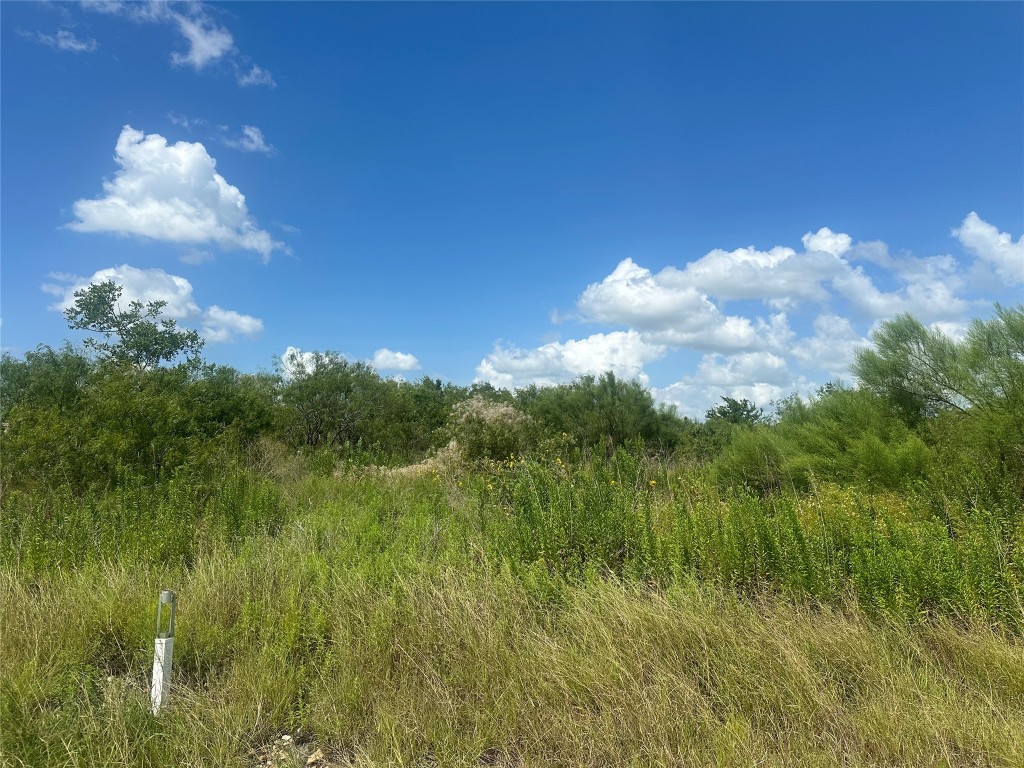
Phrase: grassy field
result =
(553, 611)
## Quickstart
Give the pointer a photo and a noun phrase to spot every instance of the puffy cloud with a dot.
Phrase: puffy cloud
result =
(929, 290)
(832, 347)
(386, 360)
(173, 193)
(684, 307)
(781, 277)
(993, 247)
(827, 241)
(144, 285)
(823, 301)
(148, 285)
(623, 352)
(664, 308)
(224, 324)
(64, 40)
(251, 140)
(760, 377)
(874, 251)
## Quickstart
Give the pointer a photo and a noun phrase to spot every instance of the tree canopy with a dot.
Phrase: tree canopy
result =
(135, 335)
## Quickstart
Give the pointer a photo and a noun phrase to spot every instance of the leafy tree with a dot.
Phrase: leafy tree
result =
(967, 393)
(709, 439)
(423, 410)
(332, 400)
(134, 335)
(734, 411)
(597, 410)
(923, 371)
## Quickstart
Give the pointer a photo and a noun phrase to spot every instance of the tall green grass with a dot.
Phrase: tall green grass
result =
(553, 611)
(895, 554)
(137, 521)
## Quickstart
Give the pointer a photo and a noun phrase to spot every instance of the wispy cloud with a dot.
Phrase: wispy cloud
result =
(250, 140)
(184, 121)
(63, 40)
(207, 41)
(254, 76)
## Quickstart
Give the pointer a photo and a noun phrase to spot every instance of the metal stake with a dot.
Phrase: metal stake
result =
(163, 650)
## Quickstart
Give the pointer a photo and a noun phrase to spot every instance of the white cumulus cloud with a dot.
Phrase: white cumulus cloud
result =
(832, 347)
(623, 352)
(993, 247)
(149, 285)
(827, 241)
(664, 307)
(173, 193)
(686, 307)
(780, 276)
(224, 324)
(760, 377)
(822, 303)
(386, 360)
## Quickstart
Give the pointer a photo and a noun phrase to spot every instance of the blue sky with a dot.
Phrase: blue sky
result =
(715, 198)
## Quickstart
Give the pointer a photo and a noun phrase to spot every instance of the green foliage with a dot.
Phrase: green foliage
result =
(46, 378)
(967, 395)
(850, 437)
(580, 601)
(128, 419)
(576, 515)
(331, 401)
(138, 522)
(755, 458)
(891, 553)
(734, 411)
(599, 411)
(131, 336)
(923, 371)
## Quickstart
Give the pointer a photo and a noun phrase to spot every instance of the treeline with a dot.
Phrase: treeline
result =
(73, 418)
(139, 402)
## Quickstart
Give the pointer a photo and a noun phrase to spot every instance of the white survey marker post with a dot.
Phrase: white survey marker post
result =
(163, 650)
